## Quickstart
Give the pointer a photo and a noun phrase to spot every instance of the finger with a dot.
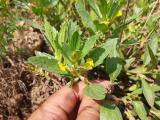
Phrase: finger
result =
(57, 106)
(89, 109)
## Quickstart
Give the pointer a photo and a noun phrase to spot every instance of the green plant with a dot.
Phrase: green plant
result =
(114, 43)
(101, 14)
(70, 56)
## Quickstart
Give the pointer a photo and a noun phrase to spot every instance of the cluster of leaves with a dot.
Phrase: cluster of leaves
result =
(70, 56)
(119, 37)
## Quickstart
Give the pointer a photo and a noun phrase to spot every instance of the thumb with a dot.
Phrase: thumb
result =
(89, 109)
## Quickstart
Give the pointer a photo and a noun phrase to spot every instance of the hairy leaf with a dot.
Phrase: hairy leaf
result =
(157, 101)
(148, 93)
(50, 34)
(95, 91)
(140, 110)
(63, 52)
(88, 45)
(48, 64)
(95, 7)
(86, 19)
(110, 112)
(43, 54)
(150, 51)
(63, 34)
(113, 62)
(99, 54)
(72, 27)
(153, 58)
(75, 42)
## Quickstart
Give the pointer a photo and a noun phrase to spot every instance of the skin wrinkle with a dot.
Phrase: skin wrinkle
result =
(88, 109)
(55, 113)
(88, 113)
(57, 116)
(52, 114)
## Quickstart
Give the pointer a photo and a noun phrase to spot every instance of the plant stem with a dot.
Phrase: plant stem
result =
(125, 17)
(150, 13)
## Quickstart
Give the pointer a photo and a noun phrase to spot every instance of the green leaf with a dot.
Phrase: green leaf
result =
(72, 27)
(99, 54)
(148, 93)
(113, 62)
(113, 67)
(122, 26)
(152, 21)
(153, 58)
(86, 19)
(144, 4)
(113, 10)
(140, 110)
(129, 43)
(48, 64)
(50, 34)
(139, 91)
(62, 35)
(88, 45)
(95, 91)
(63, 52)
(138, 70)
(43, 54)
(95, 7)
(76, 56)
(150, 51)
(103, 8)
(157, 101)
(62, 38)
(75, 41)
(110, 112)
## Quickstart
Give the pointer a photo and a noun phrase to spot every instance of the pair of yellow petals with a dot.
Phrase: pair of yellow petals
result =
(89, 65)
(119, 14)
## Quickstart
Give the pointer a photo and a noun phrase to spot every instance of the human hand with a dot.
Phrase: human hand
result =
(69, 103)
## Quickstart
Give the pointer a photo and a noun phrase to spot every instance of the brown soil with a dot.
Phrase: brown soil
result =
(22, 90)
(25, 41)
(22, 87)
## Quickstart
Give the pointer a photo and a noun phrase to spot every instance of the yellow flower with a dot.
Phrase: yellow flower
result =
(106, 22)
(89, 63)
(119, 13)
(62, 67)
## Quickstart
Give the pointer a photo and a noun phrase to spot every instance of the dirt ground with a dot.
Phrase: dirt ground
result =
(22, 87)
